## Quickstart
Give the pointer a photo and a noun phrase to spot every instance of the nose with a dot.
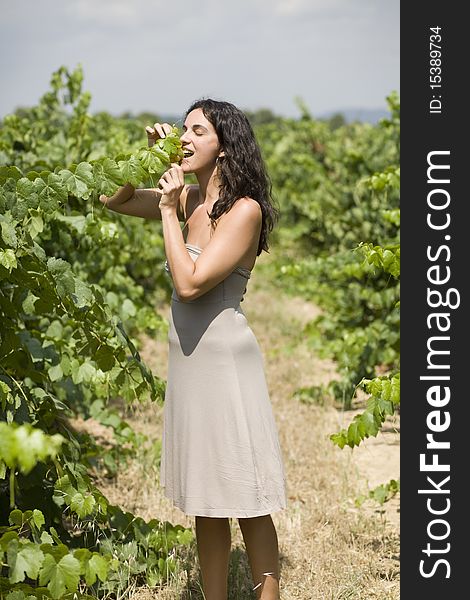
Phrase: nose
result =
(183, 138)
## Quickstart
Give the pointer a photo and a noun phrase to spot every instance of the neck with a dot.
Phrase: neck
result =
(209, 187)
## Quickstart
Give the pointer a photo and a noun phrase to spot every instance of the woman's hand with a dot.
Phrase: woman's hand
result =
(171, 185)
(122, 195)
(159, 130)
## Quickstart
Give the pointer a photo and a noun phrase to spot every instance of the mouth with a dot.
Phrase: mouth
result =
(187, 152)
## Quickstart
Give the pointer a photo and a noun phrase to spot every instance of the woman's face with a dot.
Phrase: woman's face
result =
(200, 143)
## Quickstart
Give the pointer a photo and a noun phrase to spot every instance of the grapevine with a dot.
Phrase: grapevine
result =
(71, 298)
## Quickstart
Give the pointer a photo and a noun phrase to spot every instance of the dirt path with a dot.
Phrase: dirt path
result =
(330, 547)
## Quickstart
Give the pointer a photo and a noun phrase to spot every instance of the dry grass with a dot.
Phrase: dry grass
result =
(330, 549)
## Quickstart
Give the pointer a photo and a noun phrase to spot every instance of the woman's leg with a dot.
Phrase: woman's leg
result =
(213, 547)
(259, 535)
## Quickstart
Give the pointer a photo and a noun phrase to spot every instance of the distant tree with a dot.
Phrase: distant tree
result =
(148, 117)
(143, 117)
(337, 120)
(262, 116)
(305, 114)
(22, 111)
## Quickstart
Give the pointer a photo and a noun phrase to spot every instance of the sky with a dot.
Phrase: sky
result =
(161, 55)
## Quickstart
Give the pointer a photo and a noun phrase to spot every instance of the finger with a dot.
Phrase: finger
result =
(171, 170)
(165, 179)
(179, 172)
(177, 167)
(179, 176)
(167, 128)
(160, 131)
(175, 178)
(151, 136)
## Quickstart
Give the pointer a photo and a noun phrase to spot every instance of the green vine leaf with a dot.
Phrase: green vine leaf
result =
(60, 576)
(8, 259)
(78, 180)
(24, 559)
(97, 566)
(23, 446)
(83, 505)
(385, 396)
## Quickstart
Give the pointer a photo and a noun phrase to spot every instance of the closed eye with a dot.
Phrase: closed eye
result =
(199, 129)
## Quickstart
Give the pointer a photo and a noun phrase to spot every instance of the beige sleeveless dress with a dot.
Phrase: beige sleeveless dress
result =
(220, 449)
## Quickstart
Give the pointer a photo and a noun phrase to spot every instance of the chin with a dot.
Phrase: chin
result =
(186, 166)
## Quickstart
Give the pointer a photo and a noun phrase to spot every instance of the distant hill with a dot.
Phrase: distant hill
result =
(171, 119)
(365, 115)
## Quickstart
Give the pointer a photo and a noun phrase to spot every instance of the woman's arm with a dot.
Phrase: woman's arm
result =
(144, 202)
(237, 234)
(141, 202)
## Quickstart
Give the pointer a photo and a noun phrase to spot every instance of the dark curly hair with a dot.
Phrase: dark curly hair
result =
(241, 170)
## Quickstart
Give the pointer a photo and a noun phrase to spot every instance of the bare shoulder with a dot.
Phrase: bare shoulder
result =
(242, 225)
(246, 210)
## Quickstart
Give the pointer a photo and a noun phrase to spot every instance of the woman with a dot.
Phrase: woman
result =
(220, 451)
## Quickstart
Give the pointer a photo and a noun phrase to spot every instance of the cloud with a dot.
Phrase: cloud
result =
(105, 12)
(305, 7)
(321, 9)
(160, 55)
